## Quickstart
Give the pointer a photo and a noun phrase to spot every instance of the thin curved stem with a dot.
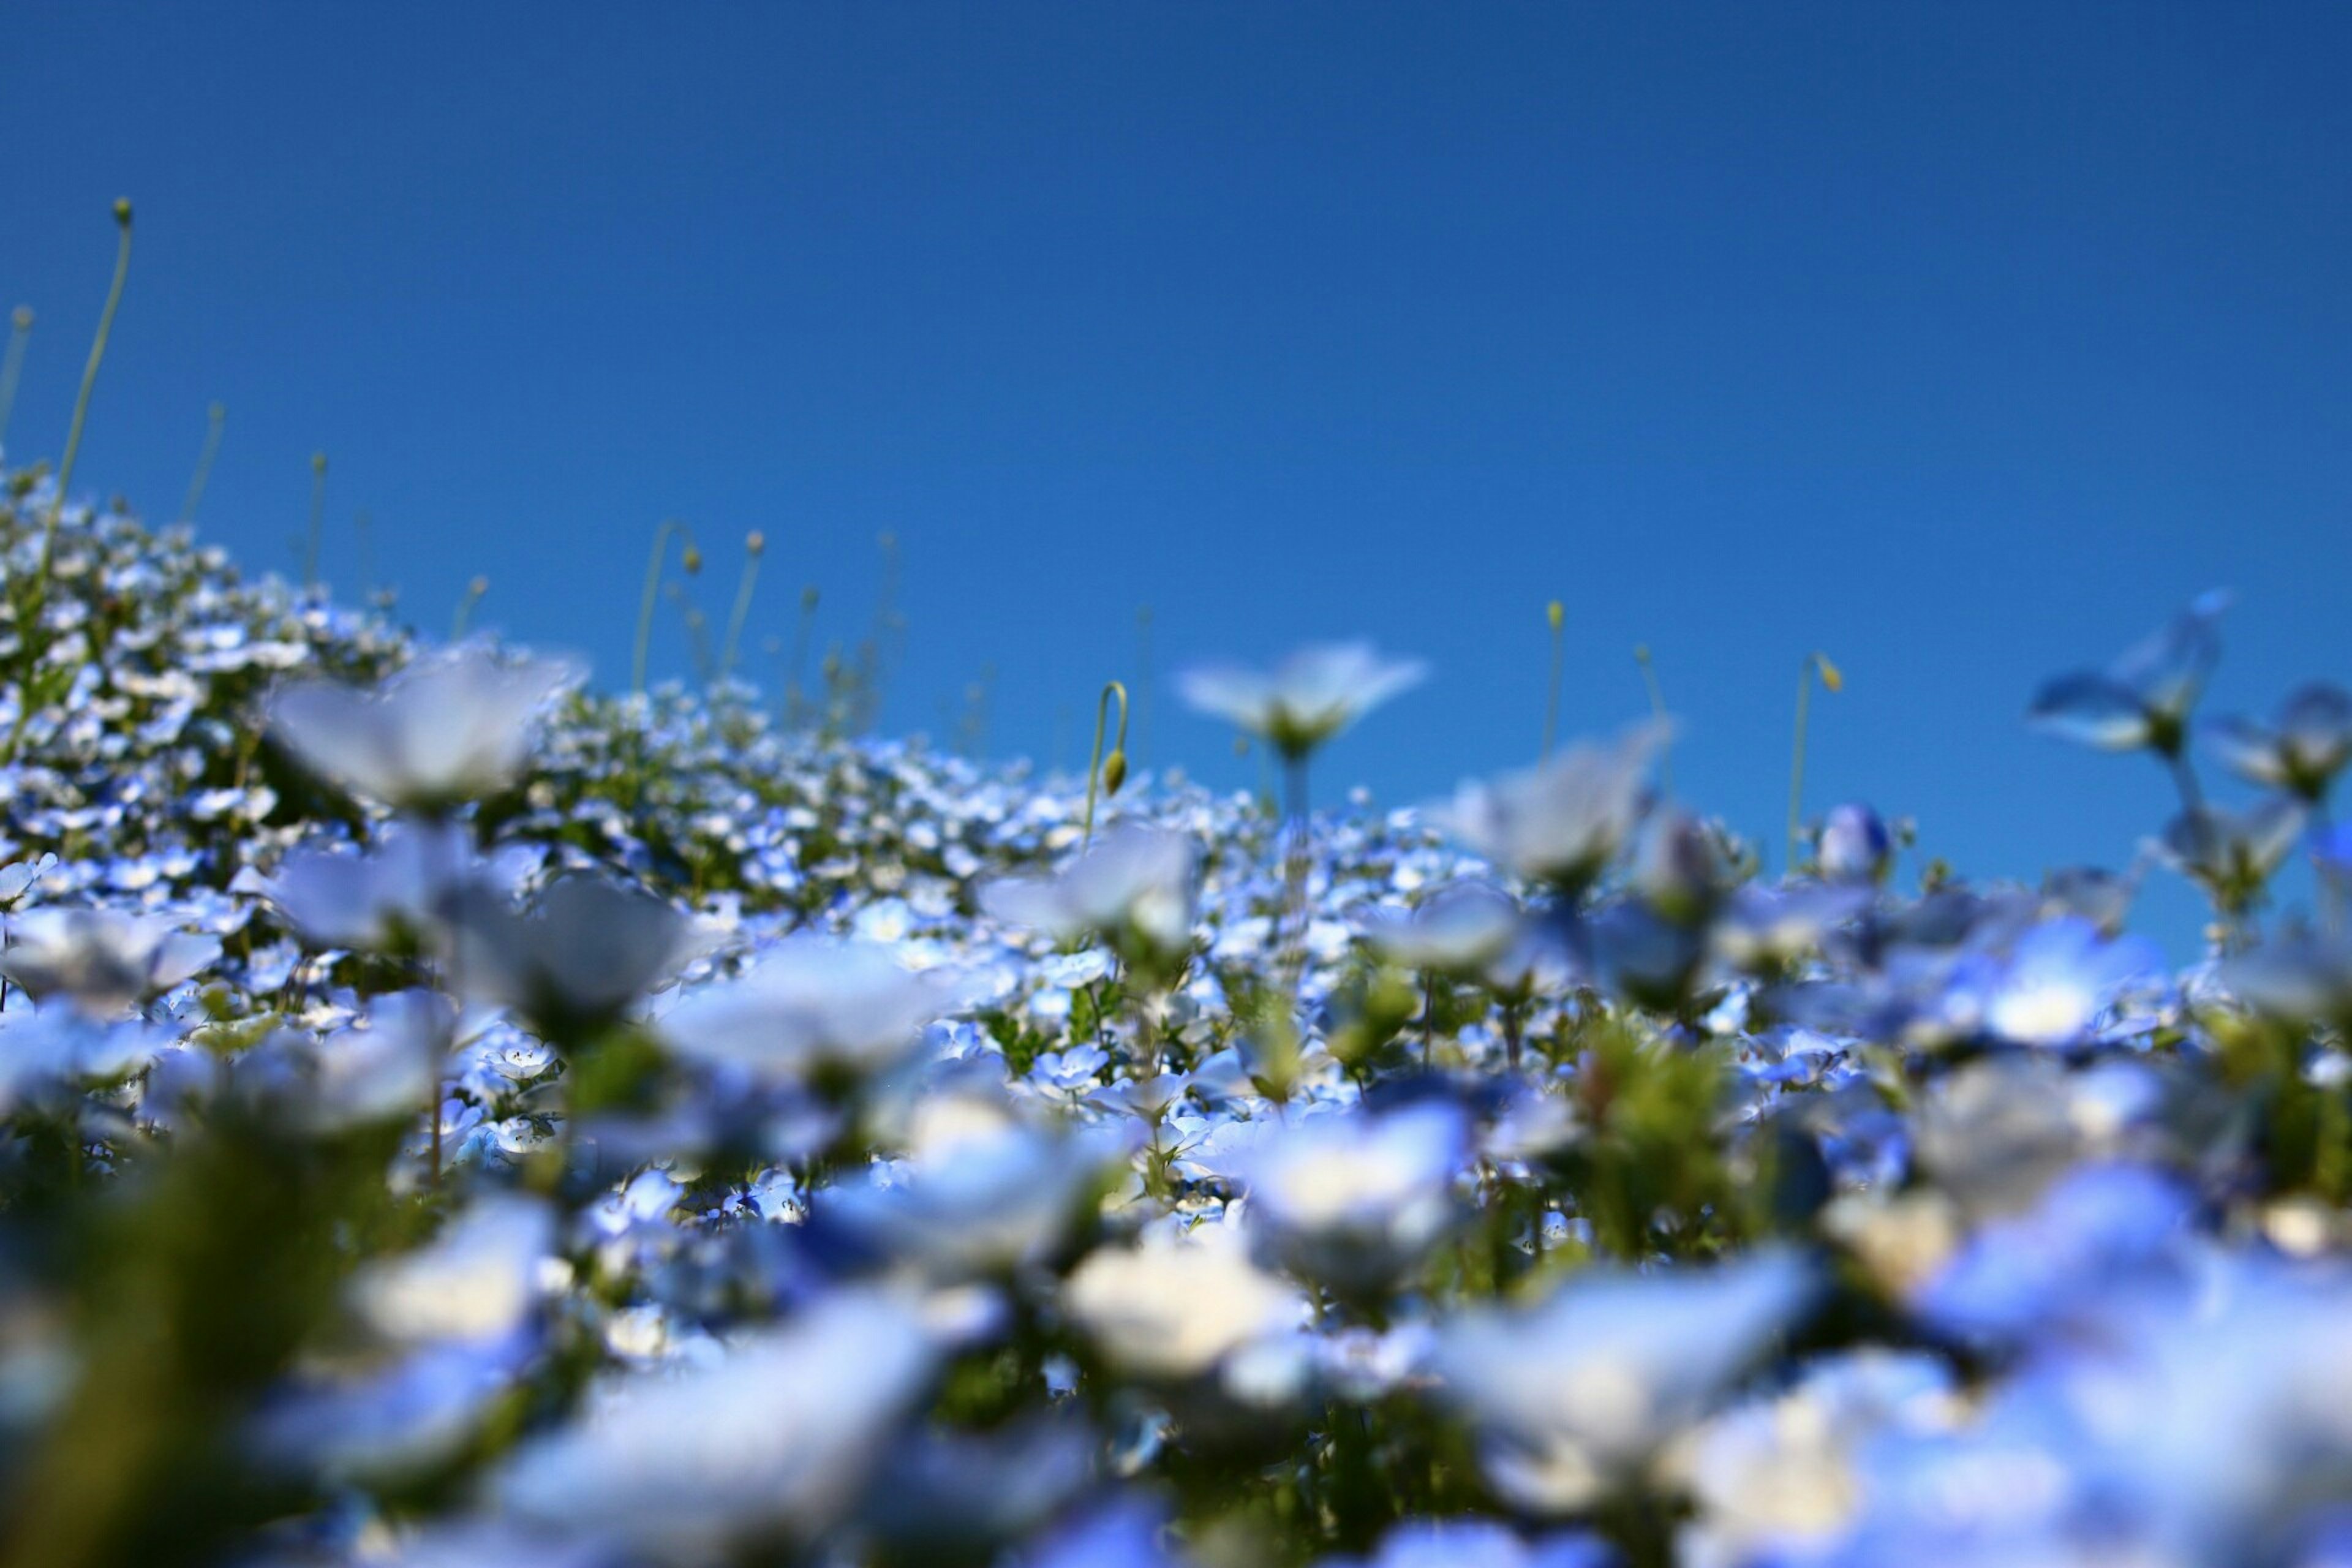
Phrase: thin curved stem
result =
(82, 401)
(662, 533)
(1095, 764)
(217, 417)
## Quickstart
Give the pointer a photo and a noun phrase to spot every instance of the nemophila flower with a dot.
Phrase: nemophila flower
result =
(810, 1003)
(2233, 854)
(2054, 985)
(1856, 845)
(1306, 699)
(944, 1496)
(777, 1438)
(102, 961)
(451, 727)
(2305, 977)
(1135, 889)
(389, 1422)
(1479, 1543)
(478, 1279)
(1355, 1201)
(2300, 751)
(1563, 821)
(1993, 1135)
(1574, 1396)
(1766, 927)
(979, 1204)
(1780, 1479)
(376, 1070)
(1173, 1308)
(2144, 697)
(1457, 929)
(2100, 1231)
(584, 949)
(47, 1056)
(389, 894)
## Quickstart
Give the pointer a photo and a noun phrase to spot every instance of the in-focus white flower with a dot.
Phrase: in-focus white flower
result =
(778, 1437)
(1356, 1201)
(812, 1001)
(1135, 889)
(451, 727)
(103, 960)
(1565, 819)
(1572, 1399)
(1306, 699)
(1174, 1307)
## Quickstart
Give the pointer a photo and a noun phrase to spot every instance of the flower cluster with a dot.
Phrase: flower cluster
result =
(450, 1117)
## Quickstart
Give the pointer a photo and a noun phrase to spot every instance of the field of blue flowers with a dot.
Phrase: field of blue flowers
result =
(457, 1118)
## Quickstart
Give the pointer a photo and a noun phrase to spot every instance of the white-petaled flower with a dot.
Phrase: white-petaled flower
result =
(1574, 1396)
(476, 1281)
(374, 1073)
(1355, 1201)
(1135, 889)
(1564, 820)
(1306, 699)
(812, 1001)
(1785, 1475)
(779, 1437)
(451, 727)
(372, 900)
(1174, 1307)
(587, 948)
(980, 1203)
(1459, 929)
(103, 960)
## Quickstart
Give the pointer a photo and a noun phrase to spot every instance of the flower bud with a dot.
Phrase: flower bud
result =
(1854, 846)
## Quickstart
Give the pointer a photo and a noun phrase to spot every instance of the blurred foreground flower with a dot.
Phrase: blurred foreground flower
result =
(1306, 699)
(451, 727)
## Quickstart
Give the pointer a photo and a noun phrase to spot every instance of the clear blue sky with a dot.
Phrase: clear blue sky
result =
(1962, 342)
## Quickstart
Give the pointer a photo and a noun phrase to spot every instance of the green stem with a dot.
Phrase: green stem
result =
(12, 368)
(755, 547)
(1559, 619)
(217, 416)
(1797, 760)
(318, 520)
(668, 526)
(81, 405)
(1095, 767)
(1658, 712)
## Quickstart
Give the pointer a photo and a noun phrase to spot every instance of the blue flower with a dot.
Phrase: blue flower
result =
(2144, 697)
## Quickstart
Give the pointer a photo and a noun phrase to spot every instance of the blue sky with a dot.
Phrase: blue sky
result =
(1963, 342)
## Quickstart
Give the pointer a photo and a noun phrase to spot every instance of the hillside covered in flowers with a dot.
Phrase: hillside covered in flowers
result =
(457, 1117)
